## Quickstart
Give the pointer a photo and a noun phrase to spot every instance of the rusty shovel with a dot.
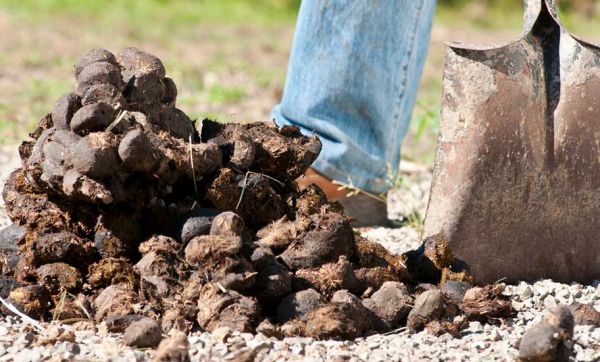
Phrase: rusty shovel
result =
(516, 184)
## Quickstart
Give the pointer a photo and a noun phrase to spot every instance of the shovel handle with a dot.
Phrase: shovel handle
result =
(533, 9)
(551, 5)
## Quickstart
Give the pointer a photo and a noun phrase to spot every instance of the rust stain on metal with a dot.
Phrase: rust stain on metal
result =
(516, 186)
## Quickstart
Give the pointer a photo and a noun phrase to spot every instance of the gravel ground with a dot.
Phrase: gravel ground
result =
(21, 342)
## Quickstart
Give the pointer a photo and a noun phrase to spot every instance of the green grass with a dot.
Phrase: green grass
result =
(9, 131)
(220, 94)
(500, 15)
(31, 101)
(157, 16)
(508, 15)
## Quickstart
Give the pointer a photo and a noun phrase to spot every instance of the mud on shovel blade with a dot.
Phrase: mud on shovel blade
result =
(516, 185)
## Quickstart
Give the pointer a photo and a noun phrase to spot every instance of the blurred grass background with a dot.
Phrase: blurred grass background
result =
(228, 57)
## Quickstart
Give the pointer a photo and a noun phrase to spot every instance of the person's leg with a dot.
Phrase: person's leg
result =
(353, 76)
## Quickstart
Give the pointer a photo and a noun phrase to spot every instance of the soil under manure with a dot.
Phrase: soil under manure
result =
(125, 214)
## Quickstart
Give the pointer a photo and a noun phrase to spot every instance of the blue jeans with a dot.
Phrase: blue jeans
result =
(353, 76)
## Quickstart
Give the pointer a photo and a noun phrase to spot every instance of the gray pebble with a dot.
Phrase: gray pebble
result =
(143, 333)
(526, 293)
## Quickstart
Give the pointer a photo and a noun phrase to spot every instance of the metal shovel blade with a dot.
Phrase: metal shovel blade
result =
(516, 184)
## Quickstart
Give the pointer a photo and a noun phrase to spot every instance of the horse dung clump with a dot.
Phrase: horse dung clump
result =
(124, 211)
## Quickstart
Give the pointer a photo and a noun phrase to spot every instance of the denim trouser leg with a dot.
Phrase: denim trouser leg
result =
(353, 76)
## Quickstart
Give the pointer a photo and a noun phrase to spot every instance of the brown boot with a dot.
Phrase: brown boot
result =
(332, 191)
(364, 209)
